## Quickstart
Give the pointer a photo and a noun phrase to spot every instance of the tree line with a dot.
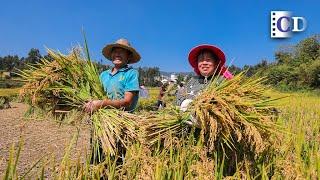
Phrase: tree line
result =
(295, 67)
(147, 76)
(11, 63)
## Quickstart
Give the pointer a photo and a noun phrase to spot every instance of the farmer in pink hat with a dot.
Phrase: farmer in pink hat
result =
(207, 61)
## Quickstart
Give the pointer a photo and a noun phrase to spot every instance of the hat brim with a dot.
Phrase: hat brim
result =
(134, 57)
(193, 56)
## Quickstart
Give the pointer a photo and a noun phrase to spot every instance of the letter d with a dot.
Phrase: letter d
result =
(296, 24)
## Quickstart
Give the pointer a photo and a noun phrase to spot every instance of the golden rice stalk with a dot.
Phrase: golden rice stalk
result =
(113, 127)
(162, 124)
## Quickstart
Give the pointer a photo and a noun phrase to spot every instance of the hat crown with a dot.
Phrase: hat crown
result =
(124, 44)
(123, 41)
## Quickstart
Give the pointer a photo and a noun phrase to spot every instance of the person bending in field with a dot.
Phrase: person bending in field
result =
(208, 61)
(120, 83)
(160, 102)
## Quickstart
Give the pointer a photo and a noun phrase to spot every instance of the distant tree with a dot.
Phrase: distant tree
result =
(283, 57)
(180, 78)
(308, 49)
(149, 76)
(234, 69)
(298, 67)
(315, 73)
(34, 56)
(48, 57)
(8, 63)
(101, 67)
(249, 70)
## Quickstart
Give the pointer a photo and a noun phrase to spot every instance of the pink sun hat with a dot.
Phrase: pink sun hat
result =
(193, 59)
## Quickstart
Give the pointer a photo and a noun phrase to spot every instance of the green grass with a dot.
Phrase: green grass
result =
(150, 102)
(9, 92)
(153, 91)
(11, 83)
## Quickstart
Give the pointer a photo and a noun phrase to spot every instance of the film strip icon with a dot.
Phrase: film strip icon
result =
(280, 24)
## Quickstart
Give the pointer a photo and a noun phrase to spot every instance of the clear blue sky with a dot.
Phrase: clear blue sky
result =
(163, 32)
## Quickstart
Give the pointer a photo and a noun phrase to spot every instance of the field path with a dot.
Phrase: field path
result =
(40, 137)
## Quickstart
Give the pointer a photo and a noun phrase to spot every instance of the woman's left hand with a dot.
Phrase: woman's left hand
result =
(184, 105)
(192, 121)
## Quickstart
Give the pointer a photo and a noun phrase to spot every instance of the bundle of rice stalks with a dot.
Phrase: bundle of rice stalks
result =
(162, 124)
(236, 114)
(67, 81)
(233, 114)
(113, 128)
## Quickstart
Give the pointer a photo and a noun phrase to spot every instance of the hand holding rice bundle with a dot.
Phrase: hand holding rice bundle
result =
(72, 82)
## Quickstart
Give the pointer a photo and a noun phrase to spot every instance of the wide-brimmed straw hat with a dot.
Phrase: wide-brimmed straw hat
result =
(122, 43)
(193, 59)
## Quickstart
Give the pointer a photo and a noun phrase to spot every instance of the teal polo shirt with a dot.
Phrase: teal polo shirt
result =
(115, 85)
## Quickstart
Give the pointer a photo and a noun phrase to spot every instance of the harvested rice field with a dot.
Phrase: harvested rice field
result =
(236, 129)
(297, 154)
(40, 137)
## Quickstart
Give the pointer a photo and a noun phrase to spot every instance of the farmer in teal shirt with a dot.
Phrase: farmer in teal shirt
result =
(121, 82)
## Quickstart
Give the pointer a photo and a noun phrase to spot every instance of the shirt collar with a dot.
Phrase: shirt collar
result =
(123, 69)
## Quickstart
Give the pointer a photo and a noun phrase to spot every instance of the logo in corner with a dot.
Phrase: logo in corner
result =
(283, 24)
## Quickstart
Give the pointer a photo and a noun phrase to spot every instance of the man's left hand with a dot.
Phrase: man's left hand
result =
(92, 106)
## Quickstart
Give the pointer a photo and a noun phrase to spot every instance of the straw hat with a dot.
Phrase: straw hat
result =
(121, 43)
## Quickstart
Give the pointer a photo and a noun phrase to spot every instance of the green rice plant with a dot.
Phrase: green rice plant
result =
(147, 104)
(11, 171)
(298, 152)
(13, 161)
(180, 159)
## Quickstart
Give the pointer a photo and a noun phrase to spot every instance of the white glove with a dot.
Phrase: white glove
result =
(192, 121)
(184, 104)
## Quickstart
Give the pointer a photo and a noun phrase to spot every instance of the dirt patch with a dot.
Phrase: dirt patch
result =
(40, 137)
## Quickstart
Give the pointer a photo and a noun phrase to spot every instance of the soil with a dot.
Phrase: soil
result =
(40, 138)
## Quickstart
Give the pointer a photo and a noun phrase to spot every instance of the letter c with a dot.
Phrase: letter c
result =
(279, 24)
